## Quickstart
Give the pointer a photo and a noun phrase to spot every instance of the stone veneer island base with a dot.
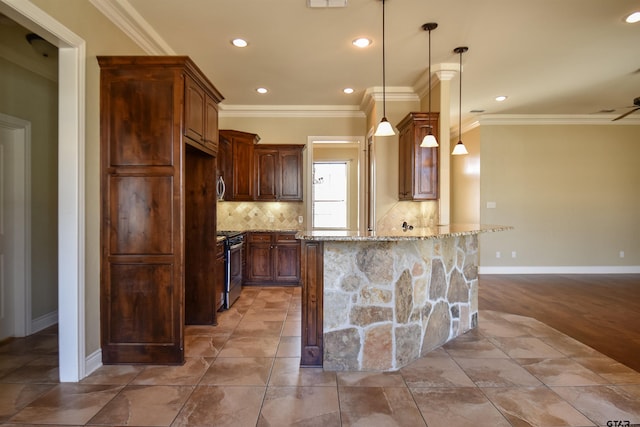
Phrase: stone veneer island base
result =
(379, 301)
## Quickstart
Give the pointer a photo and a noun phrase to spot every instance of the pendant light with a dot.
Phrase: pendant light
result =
(384, 127)
(429, 141)
(460, 148)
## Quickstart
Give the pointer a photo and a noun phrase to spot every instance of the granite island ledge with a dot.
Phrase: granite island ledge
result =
(377, 301)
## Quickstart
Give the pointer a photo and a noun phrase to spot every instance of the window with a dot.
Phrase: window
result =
(330, 195)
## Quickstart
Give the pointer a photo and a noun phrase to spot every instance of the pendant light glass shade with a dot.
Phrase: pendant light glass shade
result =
(384, 127)
(429, 141)
(460, 148)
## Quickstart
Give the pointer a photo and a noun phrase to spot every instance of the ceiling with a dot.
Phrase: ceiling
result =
(548, 56)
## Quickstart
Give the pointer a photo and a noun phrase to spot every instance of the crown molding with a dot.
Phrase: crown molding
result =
(300, 111)
(555, 119)
(125, 17)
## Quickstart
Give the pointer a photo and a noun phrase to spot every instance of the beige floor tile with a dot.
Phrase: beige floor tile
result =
(189, 373)
(14, 397)
(370, 379)
(43, 369)
(257, 314)
(291, 328)
(203, 345)
(378, 407)
(535, 406)
(253, 371)
(435, 372)
(497, 373)
(67, 403)
(480, 348)
(568, 346)
(287, 372)
(526, 347)
(113, 374)
(604, 403)
(460, 407)
(258, 328)
(300, 406)
(561, 372)
(11, 362)
(289, 347)
(615, 372)
(250, 347)
(144, 406)
(228, 406)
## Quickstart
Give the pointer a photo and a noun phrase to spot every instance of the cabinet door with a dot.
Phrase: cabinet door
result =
(242, 182)
(290, 184)
(194, 124)
(259, 266)
(287, 259)
(267, 174)
(405, 168)
(211, 124)
(418, 167)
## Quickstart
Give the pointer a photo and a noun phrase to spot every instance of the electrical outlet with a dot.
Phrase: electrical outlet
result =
(513, 254)
(498, 254)
(300, 219)
(491, 205)
(621, 254)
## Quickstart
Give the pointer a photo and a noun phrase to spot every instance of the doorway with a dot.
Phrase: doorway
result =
(71, 215)
(15, 220)
(348, 151)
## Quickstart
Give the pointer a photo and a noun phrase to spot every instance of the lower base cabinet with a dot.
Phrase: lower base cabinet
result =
(273, 258)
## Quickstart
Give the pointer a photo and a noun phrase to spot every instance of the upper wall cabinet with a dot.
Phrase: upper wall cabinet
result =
(235, 163)
(418, 166)
(200, 115)
(259, 172)
(157, 190)
(278, 172)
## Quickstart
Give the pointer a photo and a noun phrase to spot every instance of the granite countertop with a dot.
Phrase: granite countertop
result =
(437, 232)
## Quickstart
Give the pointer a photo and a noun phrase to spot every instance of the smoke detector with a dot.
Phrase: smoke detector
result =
(327, 3)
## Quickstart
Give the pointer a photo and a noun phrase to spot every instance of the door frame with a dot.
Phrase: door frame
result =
(346, 141)
(21, 131)
(71, 181)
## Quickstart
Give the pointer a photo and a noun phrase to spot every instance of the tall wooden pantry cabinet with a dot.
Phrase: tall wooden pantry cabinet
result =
(159, 140)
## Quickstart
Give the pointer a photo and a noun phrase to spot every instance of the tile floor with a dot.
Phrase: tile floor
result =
(511, 371)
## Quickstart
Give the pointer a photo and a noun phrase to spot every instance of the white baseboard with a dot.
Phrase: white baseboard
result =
(43, 322)
(626, 269)
(93, 362)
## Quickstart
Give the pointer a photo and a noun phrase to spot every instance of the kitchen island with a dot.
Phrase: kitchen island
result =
(377, 301)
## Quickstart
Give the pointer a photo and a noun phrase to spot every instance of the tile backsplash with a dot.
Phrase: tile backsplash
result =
(418, 214)
(260, 215)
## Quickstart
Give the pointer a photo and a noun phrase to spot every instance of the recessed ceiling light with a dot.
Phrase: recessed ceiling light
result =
(239, 42)
(362, 42)
(633, 18)
(348, 90)
(262, 90)
(501, 98)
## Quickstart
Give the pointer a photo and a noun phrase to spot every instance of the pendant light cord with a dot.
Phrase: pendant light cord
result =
(429, 122)
(460, 102)
(384, 84)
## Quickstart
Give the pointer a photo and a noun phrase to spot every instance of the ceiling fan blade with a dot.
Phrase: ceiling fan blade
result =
(625, 114)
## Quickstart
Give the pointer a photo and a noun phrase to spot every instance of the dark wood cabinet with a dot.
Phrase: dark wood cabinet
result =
(200, 115)
(259, 172)
(278, 172)
(238, 172)
(418, 168)
(272, 258)
(158, 220)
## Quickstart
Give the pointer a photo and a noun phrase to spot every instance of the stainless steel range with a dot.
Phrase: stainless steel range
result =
(233, 247)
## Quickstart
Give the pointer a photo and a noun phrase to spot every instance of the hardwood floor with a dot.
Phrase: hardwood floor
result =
(602, 311)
